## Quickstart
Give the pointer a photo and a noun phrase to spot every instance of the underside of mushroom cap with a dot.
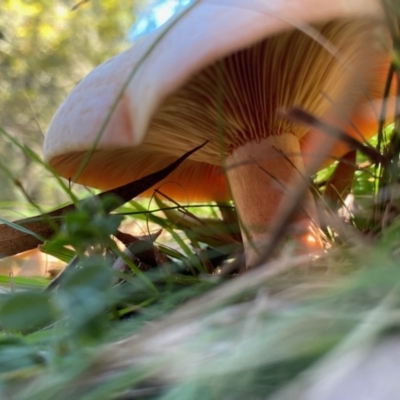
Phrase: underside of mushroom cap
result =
(192, 181)
(144, 132)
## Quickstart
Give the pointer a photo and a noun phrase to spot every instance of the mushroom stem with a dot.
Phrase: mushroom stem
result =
(261, 176)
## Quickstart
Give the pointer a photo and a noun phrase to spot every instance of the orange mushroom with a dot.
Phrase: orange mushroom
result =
(221, 73)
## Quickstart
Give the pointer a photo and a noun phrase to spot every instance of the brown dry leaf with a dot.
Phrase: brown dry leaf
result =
(26, 234)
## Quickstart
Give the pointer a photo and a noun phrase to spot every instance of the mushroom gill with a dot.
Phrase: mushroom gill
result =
(236, 100)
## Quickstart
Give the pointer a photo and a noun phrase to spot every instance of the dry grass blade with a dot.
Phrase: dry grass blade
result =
(362, 366)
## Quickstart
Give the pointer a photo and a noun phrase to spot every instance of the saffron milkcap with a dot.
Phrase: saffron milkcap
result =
(221, 71)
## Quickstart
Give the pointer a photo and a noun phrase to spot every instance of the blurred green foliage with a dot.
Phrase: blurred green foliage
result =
(46, 47)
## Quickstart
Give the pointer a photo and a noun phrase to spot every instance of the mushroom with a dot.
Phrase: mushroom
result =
(221, 73)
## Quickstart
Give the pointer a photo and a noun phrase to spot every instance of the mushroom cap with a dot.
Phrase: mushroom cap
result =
(163, 63)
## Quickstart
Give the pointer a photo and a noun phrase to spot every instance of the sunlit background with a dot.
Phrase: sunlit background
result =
(154, 14)
(47, 47)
